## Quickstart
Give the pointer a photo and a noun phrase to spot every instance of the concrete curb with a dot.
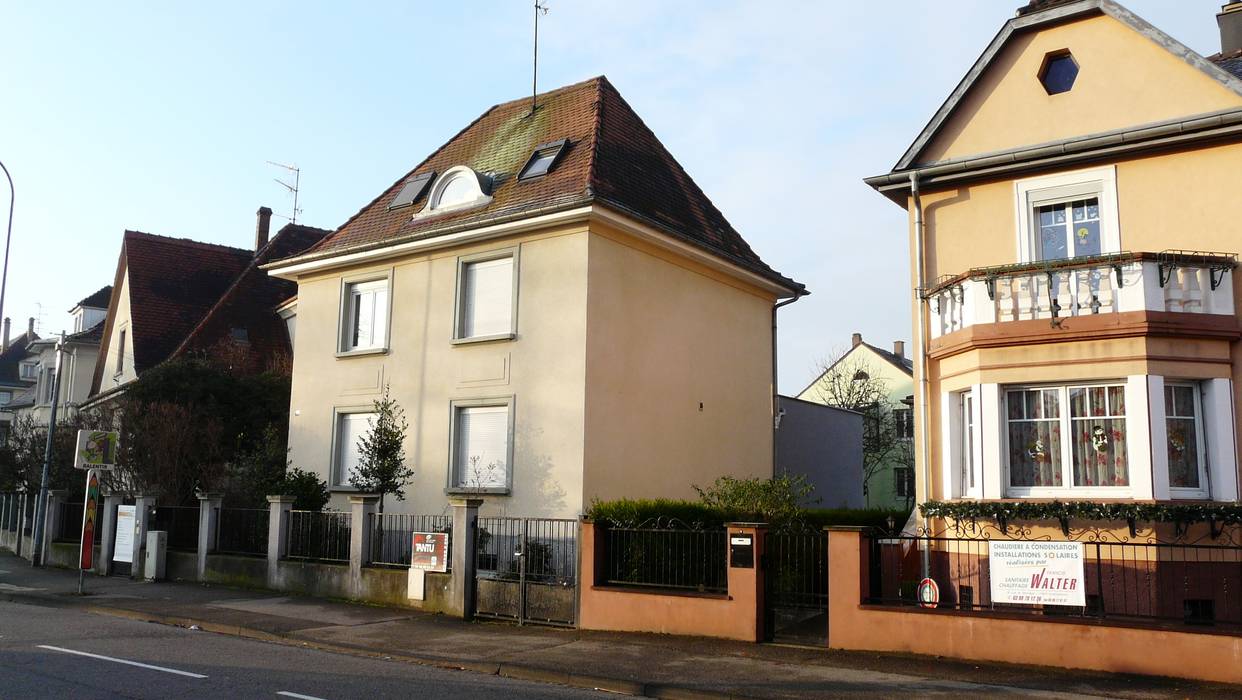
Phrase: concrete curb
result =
(622, 686)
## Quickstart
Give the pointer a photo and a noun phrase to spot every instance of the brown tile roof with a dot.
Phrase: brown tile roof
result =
(98, 300)
(173, 283)
(247, 307)
(612, 159)
(11, 358)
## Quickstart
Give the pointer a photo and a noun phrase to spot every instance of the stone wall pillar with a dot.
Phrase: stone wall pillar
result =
(277, 535)
(208, 522)
(747, 584)
(108, 536)
(24, 517)
(465, 525)
(143, 505)
(361, 506)
(56, 499)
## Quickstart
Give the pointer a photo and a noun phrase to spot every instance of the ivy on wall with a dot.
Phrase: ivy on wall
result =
(1180, 514)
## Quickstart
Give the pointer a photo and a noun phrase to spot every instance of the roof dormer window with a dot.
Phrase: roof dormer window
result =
(458, 188)
(542, 160)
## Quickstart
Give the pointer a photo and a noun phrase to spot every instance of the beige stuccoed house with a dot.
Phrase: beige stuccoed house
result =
(562, 314)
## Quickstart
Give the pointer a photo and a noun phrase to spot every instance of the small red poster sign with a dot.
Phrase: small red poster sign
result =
(90, 520)
(430, 551)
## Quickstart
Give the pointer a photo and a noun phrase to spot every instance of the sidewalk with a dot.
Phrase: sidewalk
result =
(635, 664)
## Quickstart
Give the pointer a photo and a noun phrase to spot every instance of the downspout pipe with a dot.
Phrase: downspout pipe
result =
(920, 276)
(776, 394)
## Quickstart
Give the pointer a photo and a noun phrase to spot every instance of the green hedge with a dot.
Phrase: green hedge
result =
(627, 512)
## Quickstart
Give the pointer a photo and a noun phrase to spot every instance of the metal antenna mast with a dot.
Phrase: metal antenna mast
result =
(297, 178)
(541, 7)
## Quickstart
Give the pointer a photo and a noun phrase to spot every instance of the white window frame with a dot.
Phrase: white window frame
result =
(337, 480)
(1031, 193)
(28, 370)
(345, 319)
(459, 305)
(454, 407)
(47, 386)
(1181, 492)
(6, 397)
(1068, 489)
(433, 208)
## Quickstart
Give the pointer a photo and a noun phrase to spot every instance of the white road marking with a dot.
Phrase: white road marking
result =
(122, 661)
(297, 695)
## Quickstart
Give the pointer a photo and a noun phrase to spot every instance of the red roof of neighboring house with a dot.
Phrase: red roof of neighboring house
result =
(612, 159)
(245, 312)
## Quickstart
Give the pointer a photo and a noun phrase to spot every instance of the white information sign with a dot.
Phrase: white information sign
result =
(123, 547)
(1037, 573)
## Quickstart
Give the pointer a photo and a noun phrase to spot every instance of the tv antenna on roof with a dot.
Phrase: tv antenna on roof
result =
(297, 178)
(541, 7)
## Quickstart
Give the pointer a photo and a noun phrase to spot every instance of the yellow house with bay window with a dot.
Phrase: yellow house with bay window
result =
(1075, 220)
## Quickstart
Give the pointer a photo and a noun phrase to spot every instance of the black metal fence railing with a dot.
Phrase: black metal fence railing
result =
(695, 560)
(1197, 584)
(69, 523)
(181, 524)
(8, 502)
(392, 535)
(547, 550)
(242, 531)
(318, 536)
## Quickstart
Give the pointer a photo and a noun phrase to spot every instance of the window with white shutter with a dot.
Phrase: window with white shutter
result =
(481, 449)
(350, 427)
(485, 289)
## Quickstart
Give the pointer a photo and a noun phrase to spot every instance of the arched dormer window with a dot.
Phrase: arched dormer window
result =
(458, 188)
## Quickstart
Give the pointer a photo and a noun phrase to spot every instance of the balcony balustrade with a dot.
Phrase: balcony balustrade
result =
(1171, 281)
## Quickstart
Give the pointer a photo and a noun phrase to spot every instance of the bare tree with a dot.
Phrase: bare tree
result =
(854, 384)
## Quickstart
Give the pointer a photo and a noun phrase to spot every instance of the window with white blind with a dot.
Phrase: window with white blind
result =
(482, 446)
(350, 427)
(486, 289)
(364, 318)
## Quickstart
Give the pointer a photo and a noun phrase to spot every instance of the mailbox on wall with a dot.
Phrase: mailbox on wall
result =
(742, 551)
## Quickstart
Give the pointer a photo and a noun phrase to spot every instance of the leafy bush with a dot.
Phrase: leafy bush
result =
(776, 500)
(631, 512)
(308, 490)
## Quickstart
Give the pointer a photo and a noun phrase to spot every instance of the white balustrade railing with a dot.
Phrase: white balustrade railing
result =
(1200, 284)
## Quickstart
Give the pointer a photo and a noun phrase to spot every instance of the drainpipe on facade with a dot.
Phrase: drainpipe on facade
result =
(924, 488)
(776, 394)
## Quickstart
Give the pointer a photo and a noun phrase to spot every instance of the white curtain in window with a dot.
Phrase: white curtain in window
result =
(350, 428)
(482, 446)
(487, 298)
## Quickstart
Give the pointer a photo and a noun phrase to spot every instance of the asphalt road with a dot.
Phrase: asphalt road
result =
(47, 653)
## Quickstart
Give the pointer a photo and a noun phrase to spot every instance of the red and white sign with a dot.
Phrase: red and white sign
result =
(430, 551)
(1037, 573)
(929, 593)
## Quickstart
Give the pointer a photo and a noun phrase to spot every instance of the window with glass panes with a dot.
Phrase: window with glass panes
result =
(1068, 229)
(1066, 437)
(1185, 437)
(968, 441)
(366, 315)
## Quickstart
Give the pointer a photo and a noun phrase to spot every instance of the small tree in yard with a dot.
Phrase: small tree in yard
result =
(381, 452)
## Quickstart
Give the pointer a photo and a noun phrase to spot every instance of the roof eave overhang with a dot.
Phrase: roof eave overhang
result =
(293, 268)
(1043, 18)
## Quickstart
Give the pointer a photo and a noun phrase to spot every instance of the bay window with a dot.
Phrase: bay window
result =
(1185, 444)
(1066, 440)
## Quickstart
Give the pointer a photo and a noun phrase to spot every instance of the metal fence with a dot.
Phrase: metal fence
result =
(9, 502)
(181, 524)
(1196, 584)
(318, 536)
(242, 531)
(392, 535)
(543, 550)
(681, 559)
(69, 523)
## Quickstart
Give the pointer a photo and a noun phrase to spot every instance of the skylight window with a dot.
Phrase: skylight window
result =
(1058, 72)
(542, 160)
(413, 189)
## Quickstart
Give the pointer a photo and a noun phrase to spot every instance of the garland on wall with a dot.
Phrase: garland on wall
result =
(1004, 512)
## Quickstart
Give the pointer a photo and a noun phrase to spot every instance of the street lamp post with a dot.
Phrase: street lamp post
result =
(4, 276)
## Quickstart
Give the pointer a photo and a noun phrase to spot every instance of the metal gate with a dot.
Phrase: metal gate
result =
(526, 570)
(796, 586)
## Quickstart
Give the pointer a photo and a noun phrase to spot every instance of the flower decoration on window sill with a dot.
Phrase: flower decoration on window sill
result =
(1181, 515)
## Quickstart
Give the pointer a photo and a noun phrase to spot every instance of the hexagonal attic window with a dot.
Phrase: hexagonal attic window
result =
(1058, 72)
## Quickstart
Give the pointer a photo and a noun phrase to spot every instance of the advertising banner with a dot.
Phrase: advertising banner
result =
(90, 521)
(123, 547)
(430, 551)
(96, 449)
(1037, 573)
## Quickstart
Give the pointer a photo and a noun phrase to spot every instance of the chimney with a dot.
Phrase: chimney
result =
(7, 325)
(1230, 21)
(856, 340)
(899, 349)
(262, 227)
(30, 329)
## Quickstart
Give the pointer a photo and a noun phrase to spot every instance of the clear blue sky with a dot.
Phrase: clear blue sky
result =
(159, 117)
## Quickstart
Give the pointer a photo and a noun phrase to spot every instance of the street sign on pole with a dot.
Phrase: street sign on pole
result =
(96, 449)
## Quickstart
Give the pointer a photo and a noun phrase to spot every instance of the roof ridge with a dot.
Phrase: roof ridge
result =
(158, 238)
(593, 155)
